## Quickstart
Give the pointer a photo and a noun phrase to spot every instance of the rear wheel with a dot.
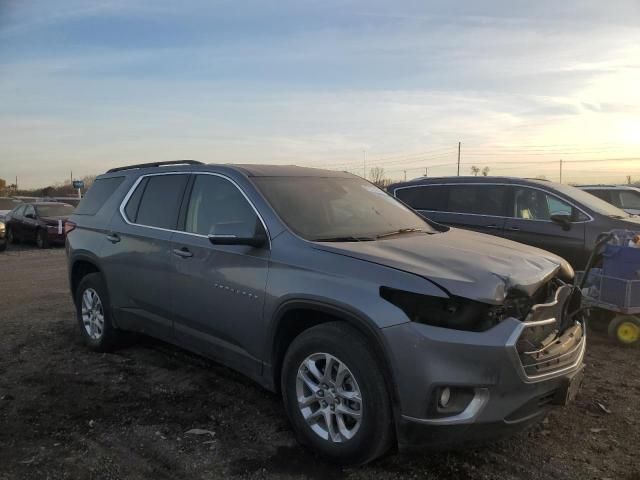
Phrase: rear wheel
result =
(335, 395)
(625, 329)
(93, 312)
(42, 239)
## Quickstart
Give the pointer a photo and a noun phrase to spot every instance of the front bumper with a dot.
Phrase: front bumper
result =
(506, 398)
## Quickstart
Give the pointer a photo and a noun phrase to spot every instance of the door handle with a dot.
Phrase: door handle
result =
(113, 237)
(182, 252)
(492, 226)
(514, 229)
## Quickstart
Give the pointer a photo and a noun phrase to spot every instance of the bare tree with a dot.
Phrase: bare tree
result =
(475, 171)
(376, 176)
(485, 171)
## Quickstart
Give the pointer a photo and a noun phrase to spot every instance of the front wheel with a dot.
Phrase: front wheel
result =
(11, 237)
(335, 395)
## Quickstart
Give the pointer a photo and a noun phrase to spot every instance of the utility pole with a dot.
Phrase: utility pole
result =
(71, 176)
(628, 179)
(405, 175)
(364, 164)
(560, 170)
(426, 171)
(459, 143)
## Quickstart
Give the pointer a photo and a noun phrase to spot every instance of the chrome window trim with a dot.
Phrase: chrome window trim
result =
(124, 202)
(590, 217)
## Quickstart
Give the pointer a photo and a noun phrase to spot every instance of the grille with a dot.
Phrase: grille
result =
(547, 344)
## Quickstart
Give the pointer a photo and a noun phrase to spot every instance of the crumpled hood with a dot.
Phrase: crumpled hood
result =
(467, 264)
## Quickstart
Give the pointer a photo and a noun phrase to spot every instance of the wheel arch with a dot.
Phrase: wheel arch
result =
(80, 267)
(295, 316)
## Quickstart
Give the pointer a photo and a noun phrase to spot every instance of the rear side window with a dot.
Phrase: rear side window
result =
(477, 199)
(161, 196)
(97, 195)
(629, 199)
(424, 197)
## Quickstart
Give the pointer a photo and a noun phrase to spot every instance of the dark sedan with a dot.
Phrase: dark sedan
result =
(41, 222)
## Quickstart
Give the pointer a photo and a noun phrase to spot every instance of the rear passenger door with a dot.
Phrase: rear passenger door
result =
(530, 223)
(137, 254)
(28, 224)
(218, 290)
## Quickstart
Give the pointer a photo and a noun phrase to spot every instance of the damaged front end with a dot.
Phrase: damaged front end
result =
(551, 335)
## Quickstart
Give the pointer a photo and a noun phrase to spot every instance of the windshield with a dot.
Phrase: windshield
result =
(591, 201)
(60, 210)
(8, 203)
(335, 209)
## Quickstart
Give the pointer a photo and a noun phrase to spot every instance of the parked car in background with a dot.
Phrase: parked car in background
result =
(374, 324)
(42, 223)
(6, 205)
(624, 197)
(555, 217)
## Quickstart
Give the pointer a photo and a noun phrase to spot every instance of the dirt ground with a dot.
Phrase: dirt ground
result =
(68, 413)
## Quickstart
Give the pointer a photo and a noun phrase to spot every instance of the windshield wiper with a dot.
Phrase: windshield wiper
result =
(400, 231)
(346, 238)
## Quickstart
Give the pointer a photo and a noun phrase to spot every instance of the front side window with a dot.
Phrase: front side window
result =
(337, 208)
(217, 207)
(19, 211)
(29, 210)
(159, 201)
(532, 204)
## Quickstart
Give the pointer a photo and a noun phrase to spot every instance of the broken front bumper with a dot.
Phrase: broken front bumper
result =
(516, 372)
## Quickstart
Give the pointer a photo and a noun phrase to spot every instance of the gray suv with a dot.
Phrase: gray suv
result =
(377, 326)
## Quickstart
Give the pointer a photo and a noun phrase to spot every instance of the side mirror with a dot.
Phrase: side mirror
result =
(257, 241)
(562, 218)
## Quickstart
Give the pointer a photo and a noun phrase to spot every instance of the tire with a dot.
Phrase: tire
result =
(625, 329)
(98, 334)
(42, 239)
(364, 439)
(11, 238)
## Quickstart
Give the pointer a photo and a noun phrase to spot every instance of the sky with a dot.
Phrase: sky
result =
(349, 85)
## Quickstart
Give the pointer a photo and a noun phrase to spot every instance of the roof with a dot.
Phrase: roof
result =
(610, 187)
(471, 179)
(252, 170)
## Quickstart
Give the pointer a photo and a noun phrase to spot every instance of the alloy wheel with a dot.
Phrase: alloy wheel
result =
(92, 314)
(329, 397)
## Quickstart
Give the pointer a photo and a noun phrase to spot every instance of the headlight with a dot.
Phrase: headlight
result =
(2, 227)
(451, 312)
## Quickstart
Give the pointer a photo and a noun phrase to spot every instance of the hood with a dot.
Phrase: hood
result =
(467, 264)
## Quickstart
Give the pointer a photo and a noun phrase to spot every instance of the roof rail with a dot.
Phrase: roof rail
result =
(156, 164)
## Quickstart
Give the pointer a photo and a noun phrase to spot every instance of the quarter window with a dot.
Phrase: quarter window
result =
(97, 195)
(160, 200)
(425, 197)
(217, 207)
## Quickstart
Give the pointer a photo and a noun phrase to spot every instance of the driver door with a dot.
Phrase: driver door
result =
(218, 290)
(530, 222)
